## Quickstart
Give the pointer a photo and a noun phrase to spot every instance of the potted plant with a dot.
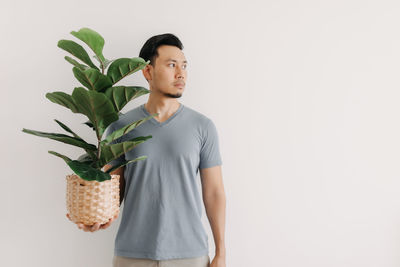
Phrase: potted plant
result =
(93, 194)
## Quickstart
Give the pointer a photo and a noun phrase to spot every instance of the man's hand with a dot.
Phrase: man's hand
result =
(96, 226)
(218, 261)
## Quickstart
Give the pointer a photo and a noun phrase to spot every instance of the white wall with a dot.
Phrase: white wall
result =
(304, 94)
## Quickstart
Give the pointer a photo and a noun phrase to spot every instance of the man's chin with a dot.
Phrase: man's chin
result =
(177, 95)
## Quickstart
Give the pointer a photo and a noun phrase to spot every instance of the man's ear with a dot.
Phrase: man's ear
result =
(146, 72)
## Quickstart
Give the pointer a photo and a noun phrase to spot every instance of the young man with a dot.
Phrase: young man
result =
(161, 218)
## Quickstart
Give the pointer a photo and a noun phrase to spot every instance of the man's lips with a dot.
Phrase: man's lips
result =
(179, 84)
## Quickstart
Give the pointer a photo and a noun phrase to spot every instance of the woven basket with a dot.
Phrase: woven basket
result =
(89, 202)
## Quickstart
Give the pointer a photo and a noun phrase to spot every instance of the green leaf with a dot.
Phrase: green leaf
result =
(65, 158)
(87, 172)
(114, 151)
(63, 99)
(125, 163)
(76, 50)
(85, 158)
(92, 79)
(89, 159)
(96, 106)
(88, 123)
(67, 129)
(76, 63)
(93, 39)
(63, 138)
(123, 67)
(124, 130)
(121, 95)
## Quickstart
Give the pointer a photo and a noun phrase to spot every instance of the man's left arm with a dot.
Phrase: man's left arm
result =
(215, 203)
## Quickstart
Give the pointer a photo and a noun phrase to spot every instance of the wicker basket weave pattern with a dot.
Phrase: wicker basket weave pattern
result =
(89, 202)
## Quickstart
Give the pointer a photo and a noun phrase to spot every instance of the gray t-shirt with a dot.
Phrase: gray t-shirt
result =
(161, 217)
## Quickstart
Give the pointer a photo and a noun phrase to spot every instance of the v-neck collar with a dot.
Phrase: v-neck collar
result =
(156, 122)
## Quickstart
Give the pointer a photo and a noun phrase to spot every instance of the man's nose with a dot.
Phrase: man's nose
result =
(180, 73)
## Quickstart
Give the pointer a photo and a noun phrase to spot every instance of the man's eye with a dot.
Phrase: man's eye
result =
(171, 64)
(184, 66)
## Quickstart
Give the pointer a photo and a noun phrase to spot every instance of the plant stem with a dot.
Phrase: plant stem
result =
(99, 149)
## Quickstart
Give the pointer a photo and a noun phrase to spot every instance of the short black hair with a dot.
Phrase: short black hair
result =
(149, 49)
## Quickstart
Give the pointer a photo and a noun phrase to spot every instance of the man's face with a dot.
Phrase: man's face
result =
(168, 76)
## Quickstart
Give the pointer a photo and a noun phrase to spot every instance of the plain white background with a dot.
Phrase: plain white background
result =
(304, 94)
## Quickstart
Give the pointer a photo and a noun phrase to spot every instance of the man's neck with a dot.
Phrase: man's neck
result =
(164, 107)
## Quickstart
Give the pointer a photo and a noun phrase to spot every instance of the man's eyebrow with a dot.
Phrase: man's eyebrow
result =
(170, 59)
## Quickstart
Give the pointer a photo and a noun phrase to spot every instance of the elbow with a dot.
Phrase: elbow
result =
(216, 195)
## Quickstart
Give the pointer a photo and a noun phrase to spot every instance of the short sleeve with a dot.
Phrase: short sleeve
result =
(209, 154)
(121, 159)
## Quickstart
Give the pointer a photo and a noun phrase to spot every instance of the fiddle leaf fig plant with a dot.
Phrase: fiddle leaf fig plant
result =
(101, 102)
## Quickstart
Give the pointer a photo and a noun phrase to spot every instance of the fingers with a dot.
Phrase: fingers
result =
(89, 228)
(107, 224)
(96, 226)
(84, 227)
